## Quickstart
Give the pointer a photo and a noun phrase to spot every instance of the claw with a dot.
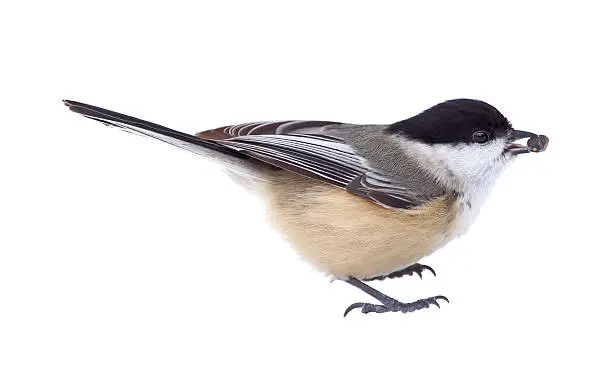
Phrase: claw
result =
(353, 306)
(425, 303)
(429, 269)
(434, 302)
(419, 268)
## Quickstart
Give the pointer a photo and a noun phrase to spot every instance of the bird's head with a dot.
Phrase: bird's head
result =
(464, 141)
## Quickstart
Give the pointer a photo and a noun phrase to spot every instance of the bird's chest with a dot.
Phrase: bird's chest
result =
(467, 208)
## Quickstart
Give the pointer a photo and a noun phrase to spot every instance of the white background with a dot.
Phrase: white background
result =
(122, 253)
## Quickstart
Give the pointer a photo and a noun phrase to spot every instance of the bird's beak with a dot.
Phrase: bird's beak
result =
(536, 143)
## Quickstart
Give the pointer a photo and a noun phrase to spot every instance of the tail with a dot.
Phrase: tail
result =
(230, 159)
(141, 127)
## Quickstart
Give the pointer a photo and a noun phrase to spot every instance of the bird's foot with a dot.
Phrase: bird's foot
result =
(396, 306)
(410, 270)
(418, 269)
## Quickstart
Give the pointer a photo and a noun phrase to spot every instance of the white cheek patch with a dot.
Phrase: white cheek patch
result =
(471, 163)
(463, 166)
(470, 169)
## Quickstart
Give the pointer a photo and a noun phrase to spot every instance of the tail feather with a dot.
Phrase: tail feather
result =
(142, 127)
(232, 160)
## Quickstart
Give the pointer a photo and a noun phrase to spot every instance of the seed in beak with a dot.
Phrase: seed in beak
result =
(537, 143)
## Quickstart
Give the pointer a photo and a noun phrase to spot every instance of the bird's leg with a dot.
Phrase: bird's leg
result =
(388, 303)
(410, 270)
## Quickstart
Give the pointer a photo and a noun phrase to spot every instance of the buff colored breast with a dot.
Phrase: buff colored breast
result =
(344, 235)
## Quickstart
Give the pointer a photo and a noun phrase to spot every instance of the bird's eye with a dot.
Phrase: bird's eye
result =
(480, 136)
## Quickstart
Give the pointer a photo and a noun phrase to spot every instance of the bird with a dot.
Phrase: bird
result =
(361, 202)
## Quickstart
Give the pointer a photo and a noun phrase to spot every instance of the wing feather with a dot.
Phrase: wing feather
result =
(331, 161)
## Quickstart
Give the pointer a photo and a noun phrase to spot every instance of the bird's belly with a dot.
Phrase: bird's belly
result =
(344, 235)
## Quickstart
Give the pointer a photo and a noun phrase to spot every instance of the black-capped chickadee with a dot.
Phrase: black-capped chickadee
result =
(362, 202)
